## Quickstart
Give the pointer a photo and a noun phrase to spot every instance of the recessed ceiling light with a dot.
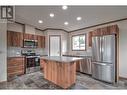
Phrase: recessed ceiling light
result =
(66, 23)
(79, 18)
(51, 14)
(64, 7)
(40, 21)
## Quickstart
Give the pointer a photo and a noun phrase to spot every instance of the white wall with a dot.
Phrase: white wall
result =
(29, 29)
(64, 37)
(122, 45)
(3, 52)
(38, 32)
(15, 27)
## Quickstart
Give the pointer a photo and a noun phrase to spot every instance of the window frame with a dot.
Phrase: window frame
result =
(72, 42)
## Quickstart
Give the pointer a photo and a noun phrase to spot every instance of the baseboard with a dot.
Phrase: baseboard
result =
(2, 81)
(122, 78)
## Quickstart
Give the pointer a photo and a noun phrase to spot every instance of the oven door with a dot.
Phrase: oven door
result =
(32, 64)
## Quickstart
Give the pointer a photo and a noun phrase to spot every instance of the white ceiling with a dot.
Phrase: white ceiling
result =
(91, 15)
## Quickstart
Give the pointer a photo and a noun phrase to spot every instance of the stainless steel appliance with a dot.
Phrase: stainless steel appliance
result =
(85, 65)
(104, 58)
(32, 64)
(30, 43)
(32, 61)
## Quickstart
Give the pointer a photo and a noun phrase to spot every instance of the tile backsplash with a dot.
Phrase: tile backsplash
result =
(14, 51)
(17, 51)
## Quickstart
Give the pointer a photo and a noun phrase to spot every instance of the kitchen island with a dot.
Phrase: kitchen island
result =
(60, 70)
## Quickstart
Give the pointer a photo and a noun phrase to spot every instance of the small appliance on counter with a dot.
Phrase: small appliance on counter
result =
(32, 61)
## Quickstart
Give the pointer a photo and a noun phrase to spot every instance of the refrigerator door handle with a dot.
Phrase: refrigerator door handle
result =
(102, 63)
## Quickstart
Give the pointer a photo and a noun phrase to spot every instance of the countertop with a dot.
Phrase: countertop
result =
(62, 58)
(71, 55)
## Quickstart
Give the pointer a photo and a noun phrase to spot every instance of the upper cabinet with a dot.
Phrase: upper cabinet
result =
(41, 41)
(14, 39)
(30, 36)
(90, 38)
(109, 30)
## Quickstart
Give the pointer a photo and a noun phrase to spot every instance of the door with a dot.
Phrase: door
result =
(103, 71)
(55, 45)
(96, 49)
(108, 49)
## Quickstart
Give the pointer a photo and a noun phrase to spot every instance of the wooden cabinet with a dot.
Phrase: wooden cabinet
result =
(41, 41)
(14, 39)
(15, 66)
(109, 30)
(60, 73)
(42, 63)
(30, 36)
(90, 39)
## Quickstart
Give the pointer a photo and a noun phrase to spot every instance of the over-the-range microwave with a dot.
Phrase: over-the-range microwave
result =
(30, 43)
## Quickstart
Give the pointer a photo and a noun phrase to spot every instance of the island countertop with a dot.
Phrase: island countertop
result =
(62, 58)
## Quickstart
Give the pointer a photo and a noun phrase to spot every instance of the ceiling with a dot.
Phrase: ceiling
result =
(91, 15)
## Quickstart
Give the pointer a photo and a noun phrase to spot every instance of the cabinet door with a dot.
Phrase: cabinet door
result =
(9, 38)
(15, 66)
(90, 38)
(14, 39)
(41, 41)
(30, 36)
(17, 39)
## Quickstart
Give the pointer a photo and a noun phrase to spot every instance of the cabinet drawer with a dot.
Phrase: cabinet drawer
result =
(15, 73)
(15, 68)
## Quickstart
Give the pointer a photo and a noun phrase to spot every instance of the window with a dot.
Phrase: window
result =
(79, 42)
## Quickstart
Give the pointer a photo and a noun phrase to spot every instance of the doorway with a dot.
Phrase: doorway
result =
(54, 45)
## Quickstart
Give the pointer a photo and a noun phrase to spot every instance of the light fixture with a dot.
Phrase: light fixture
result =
(66, 23)
(40, 21)
(79, 18)
(51, 14)
(64, 7)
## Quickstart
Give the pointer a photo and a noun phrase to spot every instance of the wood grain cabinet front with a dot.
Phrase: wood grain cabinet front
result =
(30, 36)
(41, 41)
(14, 39)
(15, 66)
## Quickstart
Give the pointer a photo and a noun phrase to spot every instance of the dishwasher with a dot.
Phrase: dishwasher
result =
(85, 66)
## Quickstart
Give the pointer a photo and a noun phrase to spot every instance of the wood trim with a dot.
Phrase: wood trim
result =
(117, 59)
(55, 29)
(60, 42)
(40, 29)
(113, 21)
(122, 78)
(85, 41)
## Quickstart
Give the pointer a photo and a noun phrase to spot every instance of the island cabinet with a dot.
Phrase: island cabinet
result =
(41, 41)
(15, 66)
(14, 39)
(60, 70)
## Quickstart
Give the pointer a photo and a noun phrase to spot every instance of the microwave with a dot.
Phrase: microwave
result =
(30, 43)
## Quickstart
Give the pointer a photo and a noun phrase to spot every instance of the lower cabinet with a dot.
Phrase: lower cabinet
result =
(42, 63)
(15, 66)
(84, 66)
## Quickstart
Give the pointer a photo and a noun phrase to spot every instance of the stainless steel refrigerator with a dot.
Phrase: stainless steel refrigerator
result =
(104, 58)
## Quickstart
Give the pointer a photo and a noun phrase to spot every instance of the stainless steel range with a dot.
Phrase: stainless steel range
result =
(32, 61)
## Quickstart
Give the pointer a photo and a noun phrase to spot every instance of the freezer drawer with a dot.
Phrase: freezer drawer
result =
(103, 71)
